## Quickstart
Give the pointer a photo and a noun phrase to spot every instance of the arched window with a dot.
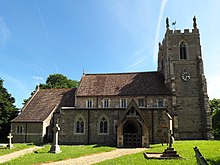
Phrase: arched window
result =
(183, 50)
(103, 125)
(79, 125)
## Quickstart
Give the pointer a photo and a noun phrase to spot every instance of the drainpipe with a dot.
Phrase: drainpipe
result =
(152, 125)
(25, 136)
(116, 128)
(88, 127)
(97, 102)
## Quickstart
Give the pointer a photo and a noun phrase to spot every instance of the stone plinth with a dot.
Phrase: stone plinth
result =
(170, 152)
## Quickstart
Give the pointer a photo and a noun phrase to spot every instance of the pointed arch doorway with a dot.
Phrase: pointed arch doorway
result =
(132, 129)
(132, 132)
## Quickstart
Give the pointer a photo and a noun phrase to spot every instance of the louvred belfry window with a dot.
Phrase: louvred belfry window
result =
(183, 50)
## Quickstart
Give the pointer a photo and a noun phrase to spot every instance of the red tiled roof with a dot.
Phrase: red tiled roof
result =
(43, 104)
(125, 84)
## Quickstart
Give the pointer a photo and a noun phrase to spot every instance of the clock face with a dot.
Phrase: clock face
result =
(185, 76)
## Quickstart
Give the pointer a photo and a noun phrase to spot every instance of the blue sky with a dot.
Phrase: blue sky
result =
(42, 37)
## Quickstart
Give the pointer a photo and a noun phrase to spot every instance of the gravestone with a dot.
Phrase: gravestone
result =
(55, 148)
(10, 145)
(199, 158)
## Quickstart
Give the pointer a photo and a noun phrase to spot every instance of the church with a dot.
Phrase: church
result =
(127, 109)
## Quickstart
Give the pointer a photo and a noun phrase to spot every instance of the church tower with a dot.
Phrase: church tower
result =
(180, 60)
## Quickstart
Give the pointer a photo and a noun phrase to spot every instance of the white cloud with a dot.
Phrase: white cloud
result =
(38, 79)
(42, 21)
(135, 20)
(138, 59)
(132, 18)
(4, 32)
(156, 41)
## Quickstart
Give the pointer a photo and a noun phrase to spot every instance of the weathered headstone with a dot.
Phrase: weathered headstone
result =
(10, 145)
(55, 148)
(199, 158)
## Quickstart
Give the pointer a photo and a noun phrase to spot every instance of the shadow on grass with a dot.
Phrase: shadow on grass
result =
(216, 161)
(99, 145)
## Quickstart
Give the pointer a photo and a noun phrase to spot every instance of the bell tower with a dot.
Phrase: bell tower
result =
(180, 60)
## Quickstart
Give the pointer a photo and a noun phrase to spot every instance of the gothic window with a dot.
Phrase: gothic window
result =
(123, 103)
(141, 102)
(19, 129)
(183, 51)
(106, 103)
(103, 125)
(89, 103)
(79, 125)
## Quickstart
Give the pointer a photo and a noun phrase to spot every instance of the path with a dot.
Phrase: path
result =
(95, 158)
(5, 158)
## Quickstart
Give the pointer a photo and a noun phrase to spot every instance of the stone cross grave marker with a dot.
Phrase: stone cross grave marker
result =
(10, 145)
(55, 148)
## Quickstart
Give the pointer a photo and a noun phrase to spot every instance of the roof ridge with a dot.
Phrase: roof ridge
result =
(121, 73)
(57, 89)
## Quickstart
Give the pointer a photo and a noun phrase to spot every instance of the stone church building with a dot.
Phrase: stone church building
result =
(127, 109)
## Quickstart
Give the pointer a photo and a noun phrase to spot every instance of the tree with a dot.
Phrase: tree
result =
(59, 81)
(215, 107)
(8, 111)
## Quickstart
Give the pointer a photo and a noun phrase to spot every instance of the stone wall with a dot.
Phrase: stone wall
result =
(150, 101)
(31, 133)
(189, 97)
(92, 116)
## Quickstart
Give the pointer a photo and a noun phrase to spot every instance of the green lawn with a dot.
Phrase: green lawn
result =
(209, 149)
(17, 147)
(42, 155)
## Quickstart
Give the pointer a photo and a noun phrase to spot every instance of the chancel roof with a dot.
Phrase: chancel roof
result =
(123, 84)
(44, 102)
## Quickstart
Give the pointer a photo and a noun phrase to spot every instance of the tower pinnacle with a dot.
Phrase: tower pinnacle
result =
(194, 22)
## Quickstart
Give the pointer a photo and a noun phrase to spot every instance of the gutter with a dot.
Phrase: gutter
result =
(152, 125)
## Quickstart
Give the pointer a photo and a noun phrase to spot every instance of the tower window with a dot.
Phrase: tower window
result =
(182, 50)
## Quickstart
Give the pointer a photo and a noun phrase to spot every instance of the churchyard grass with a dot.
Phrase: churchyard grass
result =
(209, 149)
(43, 156)
(17, 147)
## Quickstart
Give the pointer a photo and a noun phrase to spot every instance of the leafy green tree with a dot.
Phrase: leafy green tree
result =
(8, 111)
(215, 107)
(59, 81)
